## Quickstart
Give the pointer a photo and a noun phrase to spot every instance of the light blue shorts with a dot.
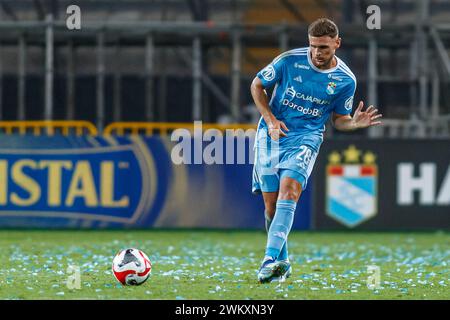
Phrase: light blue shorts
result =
(271, 167)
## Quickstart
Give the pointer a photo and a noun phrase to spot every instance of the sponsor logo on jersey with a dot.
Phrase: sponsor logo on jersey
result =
(332, 76)
(308, 111)
(291, 92)
(268, 73)
(301, 66)
(298, 79)
(351, 196)
(331, 87)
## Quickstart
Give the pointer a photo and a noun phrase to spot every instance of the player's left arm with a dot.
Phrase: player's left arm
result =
(341, 118)
(361, 119)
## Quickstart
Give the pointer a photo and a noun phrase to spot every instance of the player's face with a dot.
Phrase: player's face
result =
(323, 50)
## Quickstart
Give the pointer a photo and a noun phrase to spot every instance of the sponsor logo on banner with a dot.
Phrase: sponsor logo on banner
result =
(115, 183)
(422, 180)
(351, 196)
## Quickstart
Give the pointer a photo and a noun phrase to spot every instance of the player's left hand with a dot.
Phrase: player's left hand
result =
(364, 119)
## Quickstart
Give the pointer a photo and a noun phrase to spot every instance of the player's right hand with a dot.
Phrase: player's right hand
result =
(276, 129)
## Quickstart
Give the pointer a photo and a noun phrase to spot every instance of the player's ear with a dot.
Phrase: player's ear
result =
(338, 43)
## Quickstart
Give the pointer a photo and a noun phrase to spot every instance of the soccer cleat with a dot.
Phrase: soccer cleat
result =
(274, 271)
(288, 272)
(266, 272)
(283, 271)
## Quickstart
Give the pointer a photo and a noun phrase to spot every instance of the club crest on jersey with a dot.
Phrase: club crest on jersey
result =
(330, 87)
(351, 196)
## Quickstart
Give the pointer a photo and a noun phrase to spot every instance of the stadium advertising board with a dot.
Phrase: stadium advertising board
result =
(382, 185)
(124, 182)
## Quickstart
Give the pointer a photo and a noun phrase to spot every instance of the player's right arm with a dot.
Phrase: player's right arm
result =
(261, 100)
(267, 77)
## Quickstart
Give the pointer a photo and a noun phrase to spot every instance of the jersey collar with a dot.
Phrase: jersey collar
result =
(320, 70)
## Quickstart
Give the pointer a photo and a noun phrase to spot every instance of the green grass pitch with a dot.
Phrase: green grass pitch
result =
(222, 265)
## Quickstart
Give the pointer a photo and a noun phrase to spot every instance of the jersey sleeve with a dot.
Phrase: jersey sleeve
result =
(272, 73)
(344, 103)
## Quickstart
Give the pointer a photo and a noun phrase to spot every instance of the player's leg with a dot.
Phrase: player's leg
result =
(266, 180)
(270, 201)
(290, 190)
(268, 185)
(295, 167)
(274, 268)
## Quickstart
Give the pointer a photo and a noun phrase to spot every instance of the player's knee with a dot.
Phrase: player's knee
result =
(289, 193)
(290, 190)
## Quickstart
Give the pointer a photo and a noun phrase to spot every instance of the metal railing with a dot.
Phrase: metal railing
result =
(164, 128)
(414, 129)
(51, 35)
(48, 127)
(426, 41)
(391, 128)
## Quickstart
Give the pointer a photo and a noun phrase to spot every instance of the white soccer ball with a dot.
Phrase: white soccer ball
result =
(131, 267)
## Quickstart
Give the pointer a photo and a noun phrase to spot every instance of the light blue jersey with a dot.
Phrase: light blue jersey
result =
(303, 98)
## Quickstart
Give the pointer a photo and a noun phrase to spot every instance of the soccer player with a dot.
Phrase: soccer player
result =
(310, 85)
